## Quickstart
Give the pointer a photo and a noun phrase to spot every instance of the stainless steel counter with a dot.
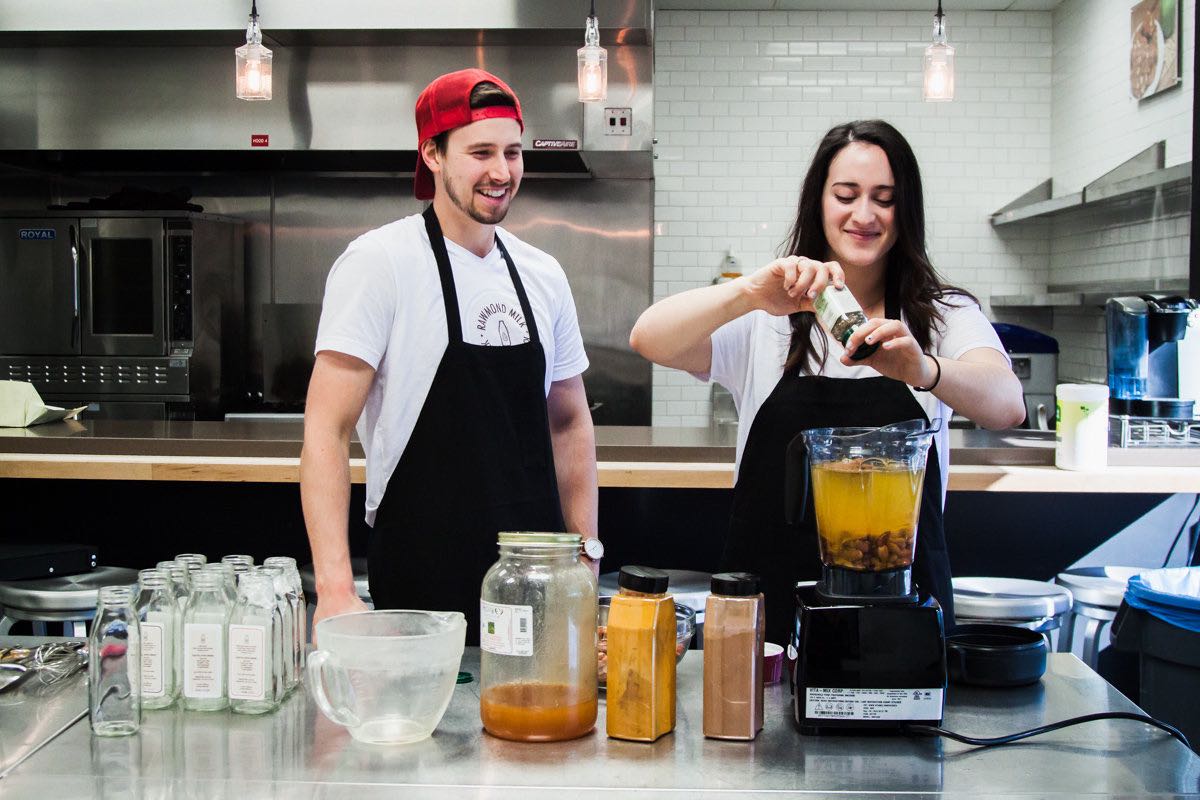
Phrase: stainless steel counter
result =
(297, 753)
(33, 713)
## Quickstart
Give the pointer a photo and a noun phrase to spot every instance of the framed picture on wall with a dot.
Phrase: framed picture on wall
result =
(1153, 47)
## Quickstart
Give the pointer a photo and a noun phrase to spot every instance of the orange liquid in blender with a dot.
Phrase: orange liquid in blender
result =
(537, 712)
(867, 513)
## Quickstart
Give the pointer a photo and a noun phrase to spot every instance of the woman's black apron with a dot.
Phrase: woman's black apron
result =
(760, 539)
(479, 461)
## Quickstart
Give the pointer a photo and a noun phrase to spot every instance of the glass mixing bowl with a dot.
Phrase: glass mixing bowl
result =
(685, 629)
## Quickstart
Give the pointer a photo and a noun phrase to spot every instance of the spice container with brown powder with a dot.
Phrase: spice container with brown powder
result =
(641, 656)
(734, 625)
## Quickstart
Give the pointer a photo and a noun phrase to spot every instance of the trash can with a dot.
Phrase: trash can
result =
(1160, 621)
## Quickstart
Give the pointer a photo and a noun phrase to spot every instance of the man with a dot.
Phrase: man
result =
(456, 348)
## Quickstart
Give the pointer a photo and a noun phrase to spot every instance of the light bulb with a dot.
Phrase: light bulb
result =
(253, 66)
(593, 65)
(254, 76)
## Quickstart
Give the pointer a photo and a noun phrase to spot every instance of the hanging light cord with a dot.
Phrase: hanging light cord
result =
(254, 9)
(593, 14)
(939, 13)
(934, 730)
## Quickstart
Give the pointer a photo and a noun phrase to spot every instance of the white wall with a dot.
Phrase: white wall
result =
(743, 97)
(1095, 127)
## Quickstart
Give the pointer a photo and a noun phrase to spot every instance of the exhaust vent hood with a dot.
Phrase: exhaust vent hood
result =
(343, 98)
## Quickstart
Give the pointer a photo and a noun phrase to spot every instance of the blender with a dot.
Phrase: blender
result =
(869, 645)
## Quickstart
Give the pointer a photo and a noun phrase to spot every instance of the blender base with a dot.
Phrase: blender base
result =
(863, 667)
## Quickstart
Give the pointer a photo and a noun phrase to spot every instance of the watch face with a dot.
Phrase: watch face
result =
(594, 548)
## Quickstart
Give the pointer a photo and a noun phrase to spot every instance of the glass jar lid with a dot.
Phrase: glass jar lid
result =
(530, 539)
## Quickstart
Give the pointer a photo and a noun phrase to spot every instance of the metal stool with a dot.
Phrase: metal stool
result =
(1034, 605)
(689, 589)
(1098, 592)
(308, 579)
(69, 600)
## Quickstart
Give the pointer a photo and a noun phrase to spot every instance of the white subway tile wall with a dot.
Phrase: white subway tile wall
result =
(1097, 126)
(743, 97)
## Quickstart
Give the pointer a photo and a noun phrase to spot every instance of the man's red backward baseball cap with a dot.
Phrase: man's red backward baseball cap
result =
(444, 105)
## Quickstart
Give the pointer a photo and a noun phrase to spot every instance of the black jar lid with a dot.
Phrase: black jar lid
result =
(643, 579)
(736, 584)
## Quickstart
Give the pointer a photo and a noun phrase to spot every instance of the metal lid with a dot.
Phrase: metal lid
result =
(1008, 598)
(644, 579)
(735, 584)
(1098, 586)
(529, 539)
(66, 593)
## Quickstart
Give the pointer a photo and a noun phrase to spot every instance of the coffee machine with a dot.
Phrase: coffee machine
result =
(1150, 342)
(869, 648)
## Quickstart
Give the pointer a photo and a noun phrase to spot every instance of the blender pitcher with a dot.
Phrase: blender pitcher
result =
(866, 493)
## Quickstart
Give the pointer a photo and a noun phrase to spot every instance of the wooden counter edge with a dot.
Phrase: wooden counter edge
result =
(623, 474)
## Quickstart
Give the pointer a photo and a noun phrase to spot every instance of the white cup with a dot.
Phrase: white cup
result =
(1081, 426)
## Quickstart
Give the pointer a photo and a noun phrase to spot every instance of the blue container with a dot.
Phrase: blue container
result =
(1126, 320)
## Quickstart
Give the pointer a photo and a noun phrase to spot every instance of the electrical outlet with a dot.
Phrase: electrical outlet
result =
(618, 122)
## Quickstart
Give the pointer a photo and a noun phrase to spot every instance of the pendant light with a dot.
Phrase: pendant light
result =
(938, 86)
(253, 62)
(593, 63)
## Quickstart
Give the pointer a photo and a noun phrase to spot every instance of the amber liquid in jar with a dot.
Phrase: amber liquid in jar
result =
(867, 536)
(537, 712)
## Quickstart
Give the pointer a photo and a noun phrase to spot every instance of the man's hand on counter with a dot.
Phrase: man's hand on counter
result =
(330, 605)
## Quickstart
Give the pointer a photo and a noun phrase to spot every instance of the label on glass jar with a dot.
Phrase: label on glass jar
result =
(247, 662)
(838, 312)
(152, 659)
(505, 630)
(202, 648)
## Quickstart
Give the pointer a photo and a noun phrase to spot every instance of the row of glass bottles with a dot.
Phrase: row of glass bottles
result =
(209, 635)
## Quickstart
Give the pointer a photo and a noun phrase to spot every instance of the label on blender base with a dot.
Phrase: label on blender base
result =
(873, 704)
(505, 630)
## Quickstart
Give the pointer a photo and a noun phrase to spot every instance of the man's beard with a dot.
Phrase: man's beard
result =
(466, 205)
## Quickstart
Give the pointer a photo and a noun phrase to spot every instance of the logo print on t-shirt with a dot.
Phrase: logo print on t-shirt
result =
(500, 324)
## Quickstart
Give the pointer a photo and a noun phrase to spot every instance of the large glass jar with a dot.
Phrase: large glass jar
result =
(538, 640)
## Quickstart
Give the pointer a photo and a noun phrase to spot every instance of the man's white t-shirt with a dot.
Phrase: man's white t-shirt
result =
(748, 354)
(383, 304)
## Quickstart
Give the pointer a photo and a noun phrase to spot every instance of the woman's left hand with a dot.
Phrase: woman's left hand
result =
(899, 356)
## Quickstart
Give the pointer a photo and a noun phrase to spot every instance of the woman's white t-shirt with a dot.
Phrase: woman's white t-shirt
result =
(749, 352)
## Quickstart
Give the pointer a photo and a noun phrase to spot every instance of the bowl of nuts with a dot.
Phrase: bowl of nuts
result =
(685, 629)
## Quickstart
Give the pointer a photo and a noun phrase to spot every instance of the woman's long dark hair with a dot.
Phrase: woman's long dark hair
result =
(909, 274)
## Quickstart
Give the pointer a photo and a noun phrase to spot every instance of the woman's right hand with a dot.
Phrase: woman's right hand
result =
(789, 284)
(334, 604)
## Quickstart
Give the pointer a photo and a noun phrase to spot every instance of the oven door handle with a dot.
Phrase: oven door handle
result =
(75, 276)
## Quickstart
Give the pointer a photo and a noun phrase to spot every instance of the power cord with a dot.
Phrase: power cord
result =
(934, 730)
(1179, 534)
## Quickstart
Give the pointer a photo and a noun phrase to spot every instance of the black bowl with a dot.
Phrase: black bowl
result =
(995, 655)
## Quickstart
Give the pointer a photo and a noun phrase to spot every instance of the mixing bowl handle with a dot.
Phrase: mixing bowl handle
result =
(316, 686)
(795, 481)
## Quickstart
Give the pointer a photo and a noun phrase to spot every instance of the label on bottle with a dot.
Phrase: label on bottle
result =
(247, 662)
(873, 704)
(505, 630)
(838, 312)
(203, 650)
(152, 660)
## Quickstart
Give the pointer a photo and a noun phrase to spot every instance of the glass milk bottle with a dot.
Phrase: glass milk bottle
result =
(205, 619)
(641, 656)
(253, 627)
(298, 606)
(115, 665)
(181, 580)
(734, 628)
(285, 666)
(228, 579)
(158, 613)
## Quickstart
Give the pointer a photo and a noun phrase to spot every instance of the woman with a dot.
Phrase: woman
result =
(860, 224)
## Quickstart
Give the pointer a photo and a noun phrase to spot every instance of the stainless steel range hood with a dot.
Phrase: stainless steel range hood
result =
(96, 99)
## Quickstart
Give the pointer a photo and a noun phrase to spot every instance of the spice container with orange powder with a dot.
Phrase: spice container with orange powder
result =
(641, 656)
(734, 626)
(538, 640)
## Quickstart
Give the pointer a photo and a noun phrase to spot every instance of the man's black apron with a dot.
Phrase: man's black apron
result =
(479, 461)
(760, 539)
